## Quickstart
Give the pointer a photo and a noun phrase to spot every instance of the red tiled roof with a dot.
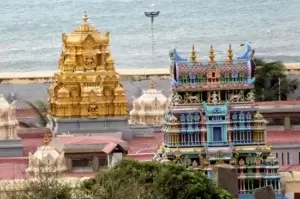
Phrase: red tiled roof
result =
(89, 139)
(145, 144)
(109, 147)
(277, 137)
(141, 156)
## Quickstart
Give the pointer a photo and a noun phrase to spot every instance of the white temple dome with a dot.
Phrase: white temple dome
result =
(149, 108)
(149, 96)
(46, 160)
(46, 154)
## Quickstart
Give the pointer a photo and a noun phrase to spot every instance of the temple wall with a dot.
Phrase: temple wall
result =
(38, 91)
(287, 154)
(11, 148)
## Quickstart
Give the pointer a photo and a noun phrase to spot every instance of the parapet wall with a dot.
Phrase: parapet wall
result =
(125, 74)
(46, 76)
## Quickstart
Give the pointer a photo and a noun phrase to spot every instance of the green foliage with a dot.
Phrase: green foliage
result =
(44, 186)
(152, 180)
(271, 80)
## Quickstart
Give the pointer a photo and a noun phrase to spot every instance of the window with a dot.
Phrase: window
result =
(217, 134)
(288, 158)
(277, 155)
(282, 158)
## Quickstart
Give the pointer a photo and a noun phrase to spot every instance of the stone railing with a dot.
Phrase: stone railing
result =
(46, 76)
(125, 74)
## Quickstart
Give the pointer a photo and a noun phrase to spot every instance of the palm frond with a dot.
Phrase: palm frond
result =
(43, 120)
(27, 125)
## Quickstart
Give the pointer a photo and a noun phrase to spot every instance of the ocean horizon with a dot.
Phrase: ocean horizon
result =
(30, 31)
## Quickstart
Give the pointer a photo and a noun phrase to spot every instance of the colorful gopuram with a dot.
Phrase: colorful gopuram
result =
(86, 94)
(212, 120)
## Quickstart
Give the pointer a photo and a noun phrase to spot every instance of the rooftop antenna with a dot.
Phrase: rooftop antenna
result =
(152, 15)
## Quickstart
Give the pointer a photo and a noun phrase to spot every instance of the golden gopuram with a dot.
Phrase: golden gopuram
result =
(86, 84)
(86, 94)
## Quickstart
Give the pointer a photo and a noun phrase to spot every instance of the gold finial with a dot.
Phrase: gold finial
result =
(152, 84)
(211, 54)
(230, 54)
(85, 17)
(193, 55)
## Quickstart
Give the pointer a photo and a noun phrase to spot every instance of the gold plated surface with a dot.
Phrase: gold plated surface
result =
(193, 57)
(86, 84)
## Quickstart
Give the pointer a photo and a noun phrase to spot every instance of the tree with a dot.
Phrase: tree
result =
(130, 179)
(271, 82)
(41, 110)
(44, 185)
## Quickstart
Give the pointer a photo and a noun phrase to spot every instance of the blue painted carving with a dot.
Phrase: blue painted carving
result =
(175, 83)
(248, 126)
(235, 127)
(250, 66)
(216, 110)
(234, 75)
(176, 57)
(183, 129)
(234, 116)
(248, 116)
(197, 117)
(182, 118)
(247, 53)
(197, 129)
(192, 77)
(242, 116)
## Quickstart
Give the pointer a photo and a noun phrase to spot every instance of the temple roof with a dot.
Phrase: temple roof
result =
(81, 33)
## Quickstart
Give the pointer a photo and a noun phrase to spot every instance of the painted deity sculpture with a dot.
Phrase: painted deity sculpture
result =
(86, 84)
(149, 108)
(213, 121)
(46, 159)
(8, 121)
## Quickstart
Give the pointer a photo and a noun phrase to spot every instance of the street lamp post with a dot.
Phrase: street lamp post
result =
(152, 15)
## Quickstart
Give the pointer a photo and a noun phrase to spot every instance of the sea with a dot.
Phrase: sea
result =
(30, 31)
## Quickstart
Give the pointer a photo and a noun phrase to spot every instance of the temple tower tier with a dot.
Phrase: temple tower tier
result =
(86, 95)
(212, 120)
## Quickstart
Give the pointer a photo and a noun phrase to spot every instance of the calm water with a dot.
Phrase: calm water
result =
(30, 31)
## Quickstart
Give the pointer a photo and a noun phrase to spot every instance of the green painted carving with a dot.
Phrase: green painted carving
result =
(186, 161)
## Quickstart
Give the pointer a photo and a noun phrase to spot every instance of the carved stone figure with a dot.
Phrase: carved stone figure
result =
(191, 99)
(214, 98)
(250, 96)
(176, 99)
(237, 98)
